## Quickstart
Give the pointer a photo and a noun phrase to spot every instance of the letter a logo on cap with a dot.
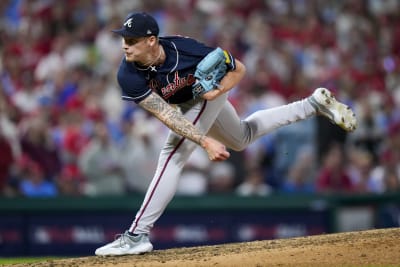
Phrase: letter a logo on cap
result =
(128, 23)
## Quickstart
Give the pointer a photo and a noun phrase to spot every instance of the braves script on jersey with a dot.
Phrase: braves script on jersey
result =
(173, 80)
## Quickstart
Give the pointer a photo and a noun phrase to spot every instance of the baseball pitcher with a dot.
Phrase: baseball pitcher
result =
(185, 84)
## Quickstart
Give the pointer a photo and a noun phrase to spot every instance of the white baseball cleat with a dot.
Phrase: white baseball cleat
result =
(325, 104)
(126, 244)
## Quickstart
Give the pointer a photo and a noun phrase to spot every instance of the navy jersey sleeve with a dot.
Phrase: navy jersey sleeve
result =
(230, 61)
(133, 85)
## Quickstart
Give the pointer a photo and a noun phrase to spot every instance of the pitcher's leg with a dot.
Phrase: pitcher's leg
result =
(237, 134)
(171, 161)
(268, 120)
(164, 183)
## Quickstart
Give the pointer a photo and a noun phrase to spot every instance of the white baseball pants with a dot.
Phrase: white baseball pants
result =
(220, 120)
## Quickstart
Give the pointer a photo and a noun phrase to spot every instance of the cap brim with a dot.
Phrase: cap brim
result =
(124, 33)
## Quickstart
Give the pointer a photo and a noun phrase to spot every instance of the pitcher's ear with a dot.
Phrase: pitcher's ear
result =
(150, 40)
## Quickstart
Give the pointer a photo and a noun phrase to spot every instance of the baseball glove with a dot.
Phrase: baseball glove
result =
(209, 72)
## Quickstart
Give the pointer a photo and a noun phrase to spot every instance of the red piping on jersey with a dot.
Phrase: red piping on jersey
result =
(163, 169)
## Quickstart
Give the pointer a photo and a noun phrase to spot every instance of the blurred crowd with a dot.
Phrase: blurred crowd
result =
(64, 129)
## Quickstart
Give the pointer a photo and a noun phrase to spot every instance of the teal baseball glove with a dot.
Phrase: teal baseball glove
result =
(209, 72)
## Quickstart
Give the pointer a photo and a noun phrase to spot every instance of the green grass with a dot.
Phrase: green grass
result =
(4, 261)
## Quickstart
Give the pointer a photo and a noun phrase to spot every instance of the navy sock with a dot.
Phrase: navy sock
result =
(132, 234)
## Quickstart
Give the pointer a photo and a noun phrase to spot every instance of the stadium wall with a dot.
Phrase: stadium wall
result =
(76, 226)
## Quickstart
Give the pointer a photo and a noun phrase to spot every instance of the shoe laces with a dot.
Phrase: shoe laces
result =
(121, 238)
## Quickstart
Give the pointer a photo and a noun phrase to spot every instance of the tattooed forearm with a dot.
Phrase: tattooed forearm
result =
(171, 117)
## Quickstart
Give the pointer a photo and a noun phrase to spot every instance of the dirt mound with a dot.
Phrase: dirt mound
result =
(364, 248)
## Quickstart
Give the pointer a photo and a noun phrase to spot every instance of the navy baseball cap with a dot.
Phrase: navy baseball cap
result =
(138, 25)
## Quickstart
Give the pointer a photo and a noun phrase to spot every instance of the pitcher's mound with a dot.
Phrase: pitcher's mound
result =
(363, 248)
